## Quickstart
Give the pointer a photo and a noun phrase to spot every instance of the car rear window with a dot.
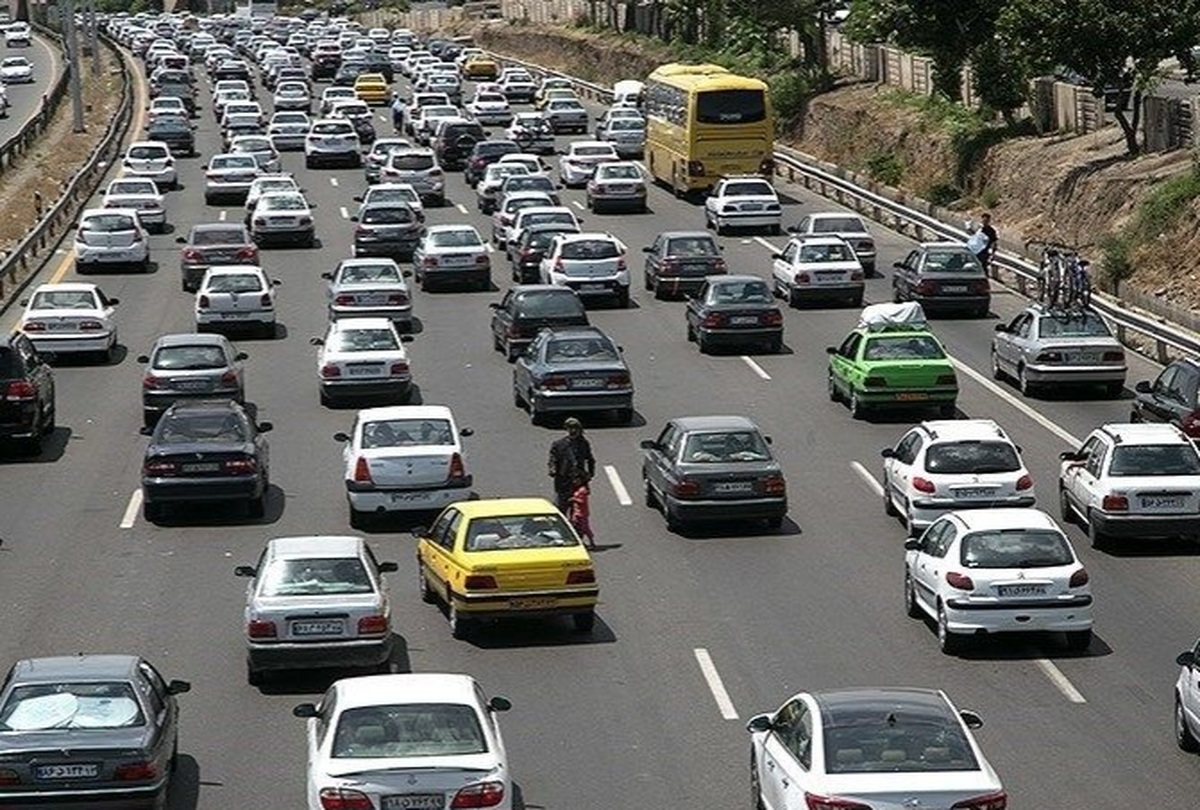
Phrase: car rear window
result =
(1154, 459)
(189, 358)
(390, 216)
(620, 173)
(461, 238)
(739, 292)
(1069, 326)
(816, 254)
(107, 223)
(946, 261)
(408, 730)
(952, 458)
(549, 304)
(1016, 548)
(412, 162)
(239, 283)
(895, 347)
(590, 250)
(219, 237)
(315, 577)
(360, 273)
(692, 246)
(509, 532)
(191, 428)
(838, 225)
(882, 739)
(366, 340)
(89, 705)
(528, 183)
(581, 350)
(63, 299)
(406, 433)
(720, 447)
(496, 148)
(753, 187)
(148, 152)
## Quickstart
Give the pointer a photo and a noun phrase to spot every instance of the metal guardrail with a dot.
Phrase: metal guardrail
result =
(32, 129)
(16, 266)
(894, 214)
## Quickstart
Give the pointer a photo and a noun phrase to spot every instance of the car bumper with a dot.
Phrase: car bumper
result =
(830, 292)
(164, 177)
(1145, 527)
(634, 201)
(157, 403)
(320, 655)
(1015, 616)
(722, 510)
(87, 254)
(494, 119)
(287, 104)
(730, 337)
(138, 798)
(526, 604)
(348, 156)
(576, 177)
(287, 143)
(223, 191)
(580, 402)
(403, 499)
(396, 314)
(1075, 374)
(366, 388)
(592, 287)
(927, 510)
(181, 489)
(282, 236)
(568, 125)
(908, 398)
(385, 247)
(757, 219)
(957, 303)
(456, 275)
(209, 318)
(67, 344)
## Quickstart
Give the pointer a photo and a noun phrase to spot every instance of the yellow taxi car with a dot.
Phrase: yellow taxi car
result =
(372, 88)
(481, 67)
(506, 557)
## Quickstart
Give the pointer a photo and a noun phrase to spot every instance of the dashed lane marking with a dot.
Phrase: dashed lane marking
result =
(333, 181)
(578, 205)
(345, 214)
(755, 367)
(614, 480)
(871, 481)
(1060, 680)
(713, 679)
(222, 214)
(766, 244)
(132, 509)
(462, 209)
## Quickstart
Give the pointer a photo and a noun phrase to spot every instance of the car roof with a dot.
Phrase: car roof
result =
(218, 226)
(822, 239)
(316, 545)
(847, 705)
(66, 286)
(963, 429)
(500, 507)
(1004, 518)
(191, 339)
(586, 235)
(689, 423)
(576, 331)
(367, 261)
(234, 270)
(733, 278)
(426, 687)
(75, 667)
(406, 412)
(348, 324)
(206, 405)
(1144, 433)
(685, 235)
(835, 215)
(451, 228)
(604, 144)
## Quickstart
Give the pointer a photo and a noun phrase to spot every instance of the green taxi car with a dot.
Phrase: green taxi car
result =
(892, 367)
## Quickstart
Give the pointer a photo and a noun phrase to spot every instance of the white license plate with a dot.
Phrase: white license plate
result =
(199, 467)
(954, 288)
(752, 207)
(726, 487)
(66, 771)
(973, 493)
(192, 385)
(415, 801)
(365, 371)
(319, 628)
(61, 327)
(589, 382)
(532, 602)
(233, 316)
(1085, 357)
(1020, 590)
(593, 287)
(743, 320)
(283, 220)
(411, 497)
(372, 300)
(1162, 501)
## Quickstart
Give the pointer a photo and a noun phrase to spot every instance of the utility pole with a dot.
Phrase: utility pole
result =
(67, 9)
(93, 26)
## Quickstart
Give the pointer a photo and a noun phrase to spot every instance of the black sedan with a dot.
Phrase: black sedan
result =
(679, 261)
(526, 309)
(178, 133)
(205, 450)
(734, 311)
(87, 730)
(571, 371)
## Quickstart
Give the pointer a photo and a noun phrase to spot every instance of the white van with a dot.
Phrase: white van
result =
(628, 93)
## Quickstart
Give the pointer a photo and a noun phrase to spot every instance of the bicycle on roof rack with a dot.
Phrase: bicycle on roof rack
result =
(1063, 279)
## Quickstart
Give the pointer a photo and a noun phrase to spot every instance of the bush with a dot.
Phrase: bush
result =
(1115, 265)
(884, 167)
(790, 92)
(989, 198)
(943, 194)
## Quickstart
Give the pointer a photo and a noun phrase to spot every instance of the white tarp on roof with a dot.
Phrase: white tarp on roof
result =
(878, 317)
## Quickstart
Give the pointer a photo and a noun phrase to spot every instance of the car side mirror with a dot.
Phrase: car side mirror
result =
(793, 229)
(898, 265)
(406, 273)
(912, 544)
(316, 341)
(265, 427)
(494, 305)
(241, 356)
(305, 710)
(831, 350)
(1000, 327)
(407, 338)
(1143, 387)
(353, 218)
(341, 436)
(466, 432)
(776, 255)
(499, 704)
(388, 567)
(178, 687)
(971, 719)
(419, 532)
(146, 430)
(328, 276)
(143, 358)
(1187, 658)
(887, 452)
(245, 571)
(1070, 455)
(648, 444)
(759, 723)
(24, 302)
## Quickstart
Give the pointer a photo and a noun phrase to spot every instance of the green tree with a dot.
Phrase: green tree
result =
(1000, 81)
(1116, 44)
(948, 31)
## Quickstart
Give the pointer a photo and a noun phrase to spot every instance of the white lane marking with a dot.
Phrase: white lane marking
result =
(383, 118)
(1016, 402)
(578, 205)
(870, 480)
(221, 216)
(1060, 680)
(755, 367)
(462, 209)
(131, 510)
(767, 244)
(709, 671)
(614, 480)
(333, 181)
(489, 247)
(345, 214)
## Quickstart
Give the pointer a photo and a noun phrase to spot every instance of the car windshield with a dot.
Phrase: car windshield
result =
(590, 249)
(408, 730)
(89, 705)
(107, 223)
(549, 304)
(1016, 548)
(332, 128)
(315, 577)
(838, 225)
(283, 202)
(457, 238)
(412, 162)
(954, 458)
(724, 446)
(581, 350)
(190, 428)
(398, 215)
(880, 738)
(509, 532)
(1087, 325)
(1137, 460)
(620, 172)
(218, 236)
(951, 261)
(908, 347)
(189, 358)
(366, 340)
(817, 254)
(754, 187)
(406, 433)
(740, 292)
(234, 283)
(692, 246)
(64, 299)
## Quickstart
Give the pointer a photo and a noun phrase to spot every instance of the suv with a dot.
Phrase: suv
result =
(418, 168)
(951, 465)
(526, 309)
(1172, 398)
(1133, 481)
(332, 140)
(484, 154)
(455, 140)
(27, 407)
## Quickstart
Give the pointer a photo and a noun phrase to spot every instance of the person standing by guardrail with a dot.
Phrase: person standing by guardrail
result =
(989, 249)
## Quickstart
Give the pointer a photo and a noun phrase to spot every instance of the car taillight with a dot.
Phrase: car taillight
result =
(555, 382)
(377, 625)
(344, 799)
(434, 173)
(429, 261)
(924, 485)
(306, 220)
(980, 286)
(926, 288)
(621, 266)
(91, 326)
(773, 317)
(620, 380)
(202, 302)
(774, 485)
(457, 468)
(1079, 579)
(1113, 357)
(191, 254)
(397, 298)
(33, 326)
(1024, 482)
(1115, 503)
(135, 772)
(159, 467)
(344, 300)
(266, 300)
(803, 278)
(713, 320)
(362, 471)
(686, 488)
(695, 168)
(330, 370)
(240, 466)
(585, 576)
(483, 259)
(478, 163)
(485, 794)
(815, 802)
(856, 275)
(20, 391)
(150, 381)
(9, 777)
(479, 582)
(249, 253)
(1191, 424)
(991, 801)
(946, 379)
(229, 378)
(259, 222)
(960, 581)
(399, 369)
(1050, 357)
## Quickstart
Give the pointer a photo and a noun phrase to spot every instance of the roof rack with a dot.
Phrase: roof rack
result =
(883, 317)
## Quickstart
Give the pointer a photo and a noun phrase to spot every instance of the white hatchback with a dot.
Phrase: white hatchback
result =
(151, 160)
(236, 296)
(402, 459)
(70, 318)
(591, 264)
(111, 236)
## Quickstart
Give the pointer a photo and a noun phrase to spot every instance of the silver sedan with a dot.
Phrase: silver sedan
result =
(1041, 348)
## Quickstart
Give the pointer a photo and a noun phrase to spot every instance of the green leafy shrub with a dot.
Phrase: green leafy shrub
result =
(884, 167)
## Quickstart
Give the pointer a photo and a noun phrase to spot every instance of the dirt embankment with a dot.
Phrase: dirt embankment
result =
(589, 56)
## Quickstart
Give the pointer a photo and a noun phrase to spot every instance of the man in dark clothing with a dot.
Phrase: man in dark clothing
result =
(570, 458)
(985, 227)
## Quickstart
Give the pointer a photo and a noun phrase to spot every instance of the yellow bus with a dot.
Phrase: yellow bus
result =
(704, 122)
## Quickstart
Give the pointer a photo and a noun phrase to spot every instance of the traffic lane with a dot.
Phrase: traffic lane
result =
(26, 99)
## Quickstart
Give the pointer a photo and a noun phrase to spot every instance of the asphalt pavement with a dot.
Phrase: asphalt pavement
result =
(25, 99)
(696, 632)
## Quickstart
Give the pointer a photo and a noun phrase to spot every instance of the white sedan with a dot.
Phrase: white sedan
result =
(141, 195)
(818, 268)
(743, 202)
(363, 357)
(579, 163)
(283, 216)
(16, 70)
(370, 288)
(236, 296)
(490, 109)
(452, 254)
(990, 571)
(404, 458)
(167, 106)
(615, 186)
(269, 182)
(854, 749)
(315, 602)
(70, 318)
(488, 188)
(416, 741)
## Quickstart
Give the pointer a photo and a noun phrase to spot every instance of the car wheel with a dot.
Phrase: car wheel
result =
(755, 785)
(997, 372)
(152, 512)
(518, 400)
(254, 677)
(358, 520)
(793, 300)
(648, 284)
(857, 409)
(910, 523)
(511, 352)
(1114, 390)
(149, 418)
(702, 343)
(584, 622)
(1027, 387)
(691, 333)
(775, 345)
(623, 298)
(459, 627)
(775, 523)
(1184, 737)
(950, 643)
(834, 394)
(625, 416)
(718, 227)
(1079, 640)
(911, 608)
(648, 497)
(257, 508)
(889, 508)
(1064, 506)
(948, 410)
(427, 594)
(1097, 538)
(535, 416)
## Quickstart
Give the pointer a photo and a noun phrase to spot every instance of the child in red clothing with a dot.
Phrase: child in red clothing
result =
(580, 512)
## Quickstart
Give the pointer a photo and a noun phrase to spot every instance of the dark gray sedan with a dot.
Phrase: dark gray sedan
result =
(679, 261)
(942, 277)
(734, 311)
(212, 243)
(190, 366)
(570, 371)
(713, 468)
(94, 731)
(387, 229)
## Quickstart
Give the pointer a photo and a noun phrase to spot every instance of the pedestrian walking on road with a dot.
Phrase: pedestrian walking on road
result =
(570, 458)
(581, 511)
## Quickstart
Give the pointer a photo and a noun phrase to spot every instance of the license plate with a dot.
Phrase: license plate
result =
(593, 287)
(192, 385)
(1020, 590)
(1162, 501)
(954, 288)
(912, 396)
(365, 371)
(410, 497)
(415, 801)
(199, 467)
(283, 220)
(372, 299)
(61, 327)
(827, 275)
(334, 627)
(973, 493)
(233, 316)
(454, 261)
(743, 320)
(590, 382)
(752, 207)
(532, 602)
(1085, 357)
(726, 487)
(66, 771)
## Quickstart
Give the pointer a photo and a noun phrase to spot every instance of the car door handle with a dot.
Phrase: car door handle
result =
(784, 781)
(770, 764)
